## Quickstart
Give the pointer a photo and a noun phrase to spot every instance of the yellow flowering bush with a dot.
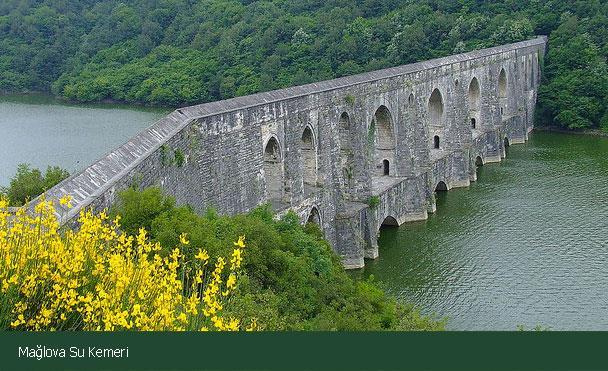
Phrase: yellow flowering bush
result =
(98, 278)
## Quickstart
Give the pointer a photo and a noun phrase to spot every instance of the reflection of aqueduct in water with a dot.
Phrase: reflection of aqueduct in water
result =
(326, 150)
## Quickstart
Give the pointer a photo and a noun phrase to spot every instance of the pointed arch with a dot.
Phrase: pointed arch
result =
(314, 216)
(273, 168)
(441, 186)
(410, 100)
(502, 91)
(435, 113)
(383, 139)
(536, 69)
(309, 156)
(414, 148)
(347, 156)
(436, 108)
(478, 161)
(502, 83)
(384, 128)
(531, 73)
(474, 103)
(524, 73)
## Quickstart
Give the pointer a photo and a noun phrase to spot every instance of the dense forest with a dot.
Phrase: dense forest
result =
(178, 52)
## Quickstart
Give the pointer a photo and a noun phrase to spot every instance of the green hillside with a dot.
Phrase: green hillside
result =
(179, 52)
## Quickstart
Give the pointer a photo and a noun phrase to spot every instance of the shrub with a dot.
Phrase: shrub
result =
(179, 157)
(291, 279)
(29, 183)
(373, 201)
(97, 278)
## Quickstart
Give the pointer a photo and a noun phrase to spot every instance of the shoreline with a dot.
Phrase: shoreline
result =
(556, 129)
(35, 97)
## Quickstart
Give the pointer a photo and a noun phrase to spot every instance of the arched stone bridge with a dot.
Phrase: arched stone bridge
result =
(350, 154)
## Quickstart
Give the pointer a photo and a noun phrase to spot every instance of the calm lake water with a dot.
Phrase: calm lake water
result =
(40, 131)
(527, 244)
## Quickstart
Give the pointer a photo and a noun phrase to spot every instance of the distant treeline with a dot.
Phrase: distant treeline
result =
(179, 52)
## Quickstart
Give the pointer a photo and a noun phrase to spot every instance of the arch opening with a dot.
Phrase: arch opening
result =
(436, 108)
(386, 167)
(474, 102)
(525, 73)
(502, 91)
(436, 142)
(314, 217)
(478, 161)
(441, 187)
(536, 70)
(384, 139)
(309, 156)
(347, 162)
(390, 222)
(273, 169)
(506, 142)
(532, 77)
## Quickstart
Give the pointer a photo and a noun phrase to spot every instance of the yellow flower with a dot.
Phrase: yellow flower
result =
(202, 255)
(95, 278)
(66, 201)
(183, 240)
(253, 326)
(241, 242)
(231, 282)
(141, 237)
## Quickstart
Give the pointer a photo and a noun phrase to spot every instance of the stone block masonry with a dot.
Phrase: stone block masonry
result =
(350, 154)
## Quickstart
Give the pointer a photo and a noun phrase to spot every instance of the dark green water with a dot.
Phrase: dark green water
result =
(41, 131)
(527, 244)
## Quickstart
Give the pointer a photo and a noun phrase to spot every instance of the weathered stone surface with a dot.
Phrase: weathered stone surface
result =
(350, 154)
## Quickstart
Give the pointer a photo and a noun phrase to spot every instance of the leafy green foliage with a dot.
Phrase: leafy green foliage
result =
(29, 183)
(139, 208)
(350, 99)
(576, 91)
(373, 201)
(179, 52)
(293, 280)
(179, 157)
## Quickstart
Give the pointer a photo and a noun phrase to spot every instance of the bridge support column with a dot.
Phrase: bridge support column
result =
(352, 236)
(493, 147)
(530, 105)
(371, 233)
(460, 169)
(431, 206)
(515, 128)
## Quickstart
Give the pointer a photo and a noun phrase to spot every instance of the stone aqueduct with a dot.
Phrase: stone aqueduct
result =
(350, 154)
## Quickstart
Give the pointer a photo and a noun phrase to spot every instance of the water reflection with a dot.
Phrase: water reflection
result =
(526, 244)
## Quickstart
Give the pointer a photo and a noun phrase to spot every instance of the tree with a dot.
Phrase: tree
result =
(29, 183)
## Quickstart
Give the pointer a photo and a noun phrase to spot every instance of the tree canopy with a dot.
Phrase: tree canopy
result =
(179, 52)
